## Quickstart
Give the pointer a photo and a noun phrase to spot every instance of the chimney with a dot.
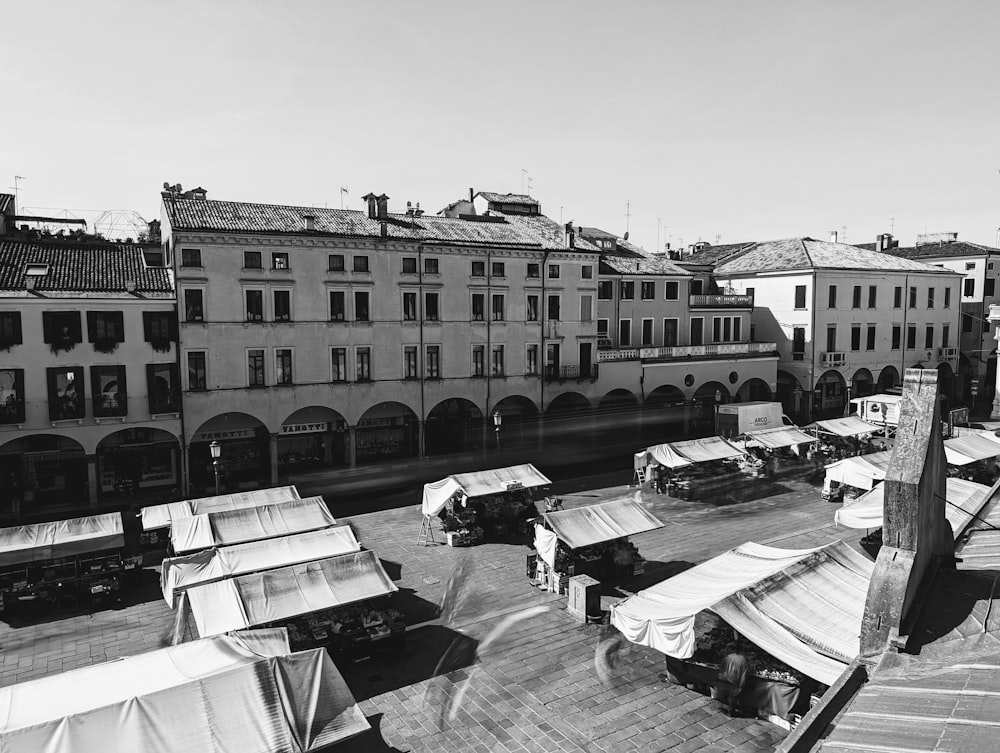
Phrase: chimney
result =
(570, 235)
(383, 229)
(308, 223)
(383, 206)
(371, 199)
(883, 242)
(833, 236)
(153, 231)
(472, 194)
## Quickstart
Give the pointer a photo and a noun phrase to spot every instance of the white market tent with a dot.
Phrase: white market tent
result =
(802, 606)
(969, 448)
(479, 483)
(273, 595)
(61, 538)
(707, 449)
(965, 499)
(862, 471)
(244, 693)
(592, 524)
(179, 573)
(667, 456)
(782, 436)
(849, 426)
(249, 524)
(160, 516)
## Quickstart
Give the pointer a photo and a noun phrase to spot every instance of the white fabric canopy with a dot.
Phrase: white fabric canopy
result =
(274, 595)
(178, 573)
(583, 526)
(545, 545)
(437, 494)
(849, 426)
(231, 693)
(160, 516)
(861, 471)
(969, 448)
(61, 538)
(709, 448)
(479, 483)
(783, 436)
(965, 498)
(666, 455)
(249, 524)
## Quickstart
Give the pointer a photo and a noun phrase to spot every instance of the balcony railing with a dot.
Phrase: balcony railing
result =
(164, 402)
(831, 358)
(720, 301)
(947, 353)
(560, 373)
(715, 350)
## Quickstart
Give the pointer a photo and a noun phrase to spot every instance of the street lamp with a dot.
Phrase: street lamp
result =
(497, 421)
(216, 450)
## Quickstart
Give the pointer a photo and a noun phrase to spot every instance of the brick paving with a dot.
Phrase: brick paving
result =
(509, 670)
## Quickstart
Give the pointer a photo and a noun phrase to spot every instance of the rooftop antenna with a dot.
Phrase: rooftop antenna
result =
(718, 238)
(657, 235)
(525, 180)
(628, 212)
(16, 187)
(892, 225)
(560, 215)
(343, 192)
(843, 233)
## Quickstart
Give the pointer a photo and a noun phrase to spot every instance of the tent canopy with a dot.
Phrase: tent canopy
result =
(273, 595)
(245, 693)
(969, 448)
(850, 426)
(782, 436)
(709, 448)
(479, 483)
(178, 573)
(583, 526)
(61, 538)
(666, 455)
(861, 471)
(160, 516)
(249, 524)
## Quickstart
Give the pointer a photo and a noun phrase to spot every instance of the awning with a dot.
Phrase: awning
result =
(583, 526)
(178, 573)
(969, 448)
(234, 693)
(783, 436)
(249, 524)
(61, 538)
(666, 455)
(479, 483)
(964, 499)
(704, 450)
(861, 471)
(850, 426)
(273, 595)
(160, 516)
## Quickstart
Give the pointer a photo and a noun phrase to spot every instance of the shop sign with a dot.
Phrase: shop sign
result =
(305, 428)
(208, 436)
(514, 486)
(373, 423)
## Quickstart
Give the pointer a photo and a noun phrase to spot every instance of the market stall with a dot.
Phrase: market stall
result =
(483, 504)
(249, 524)
(850, 477)
(591, 540)
(244, 692)
(180, 573)
(692, 467)
(75, 558)
(973, 457)
(338, 602)
(838, 438)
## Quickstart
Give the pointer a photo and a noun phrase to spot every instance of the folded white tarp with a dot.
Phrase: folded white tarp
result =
(61, 538)
(230, 693)
(545, 545)
(274, 595)
(479, 483)
(666, 455)
(969, 448)
(249, 524)
(862, 471)
(783, 436)
(583, 526)
(160, 516)
(851, 426)
(964, 499)
(704, 450)
(178, 573)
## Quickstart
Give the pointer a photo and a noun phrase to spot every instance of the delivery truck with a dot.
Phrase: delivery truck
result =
(734, 419)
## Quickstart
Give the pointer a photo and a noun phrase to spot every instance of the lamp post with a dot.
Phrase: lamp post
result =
(216, 450)
(497, 421)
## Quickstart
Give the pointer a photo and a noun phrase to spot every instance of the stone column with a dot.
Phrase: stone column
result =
(273, 446)
(92, 481)
(352, 450)
(422, 449)
(182, 471)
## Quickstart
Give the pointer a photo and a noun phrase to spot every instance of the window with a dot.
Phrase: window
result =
(967, 320)
(672, 290)
(430, 266)
(498, 307)
(478, 360)
(750, 292)
(478, 307)
(670, 327)
(65, 393)
(930, 298)
(410, 362)
(190, 257)
(832, 297)
(363, 363)
(255, 305)
(534, 271)
(911, 336)
(61, 329)
(602, 327)
(497, 361)
(361, 264)
(725, 328)
(990, 287)
(338, 364)
(647, 332)
(479, 269)
(870, 337)
(552, 359)
(627, 290)
(282, 305)
(531, 359)
(553, 271)
(283, 366)
(409, 306)
(586, 307)
(532, 309)
(431, 312)
(831, 338)
(970, 265)
(279, 260)
(855, 337)
(947, 298)
(872, 296)
(252, 260)
(409, 265)
(696, 287)
(337, 306)
(10, 329)
(107, 385)
(605, 290)
(361, 311)
(255, 367)
(647, 290)
(162, 388)
(968, 287)
(197, 371)
(800, 296)
(105, 327)
(498, 269)
(945, 335)
(625, 333)
(553, 308)
(587, 272)
(856, 299)
(337, 263)
(157, 327)
(798, 343)
(929, 336)
(897, 297)
(697, 331)
(433, 362)
(897, 336)
(913, 297)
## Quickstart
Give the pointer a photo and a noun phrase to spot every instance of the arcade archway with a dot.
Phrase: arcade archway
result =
(453, 425)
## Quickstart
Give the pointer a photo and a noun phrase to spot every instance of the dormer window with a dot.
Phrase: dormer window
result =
(36, 270)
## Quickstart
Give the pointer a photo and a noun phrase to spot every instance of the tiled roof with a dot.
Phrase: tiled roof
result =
(97, 267)
(508, 198)
(6, 202)
(237, 217)
(640, 265)
(943, 250)
(806, 253)
(713, 255)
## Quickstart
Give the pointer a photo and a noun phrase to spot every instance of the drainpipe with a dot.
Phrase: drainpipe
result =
(487, 355)
(812, 359)
(543, 306)
(421, 440)
(902, 334)
(182, 460)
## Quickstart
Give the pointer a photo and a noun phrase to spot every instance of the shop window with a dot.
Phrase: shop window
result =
(431, 312)
(431, 266)
(10, 329)
(587, 272)
(499, 306)
(162, 386)
(554, 306)
(363, 363)
(534, 271)
(338, 363)
(61, 330)
(190, 257)
(255, 305)
(283, 366)
(409, 306)
(361, 264)
(197, 371)
(194, 308)
(105, 329)
(497, 361)
(110, 396)
(433, 362)
(605, 290)
(478, 360)
(252, 260)
(531, 360)
(337, 306)
(361, 311)
(648, 290)
(159, 329)
(282, 305)
(66, 393)
(255, 367)
(498, 269)
(478, 307)
(279, 260)
(627, 291)
(409, 265)
(410, 362)
(336, 263)
(11, 396)
(479, 269)
(671, 290)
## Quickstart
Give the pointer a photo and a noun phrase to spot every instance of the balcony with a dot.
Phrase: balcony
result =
(164, 401)
(678, 352)
(562, 373)
(833, 359)
(720, 301)
(945, 354)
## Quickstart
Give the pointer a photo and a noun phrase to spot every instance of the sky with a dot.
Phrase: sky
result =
(717, 120)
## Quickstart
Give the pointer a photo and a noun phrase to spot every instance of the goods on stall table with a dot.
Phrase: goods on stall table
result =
(722, 639)
(352, 630)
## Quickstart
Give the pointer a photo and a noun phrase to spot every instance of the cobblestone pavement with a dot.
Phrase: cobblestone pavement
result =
(510, 670)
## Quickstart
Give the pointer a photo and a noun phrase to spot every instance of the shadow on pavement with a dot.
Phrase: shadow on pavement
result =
(657, 571)
(371, 741)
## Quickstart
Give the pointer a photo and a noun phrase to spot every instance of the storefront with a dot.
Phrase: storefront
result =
(387, 431)
(244, 457)
(314, 444)
(41, 473)
(136, 459)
